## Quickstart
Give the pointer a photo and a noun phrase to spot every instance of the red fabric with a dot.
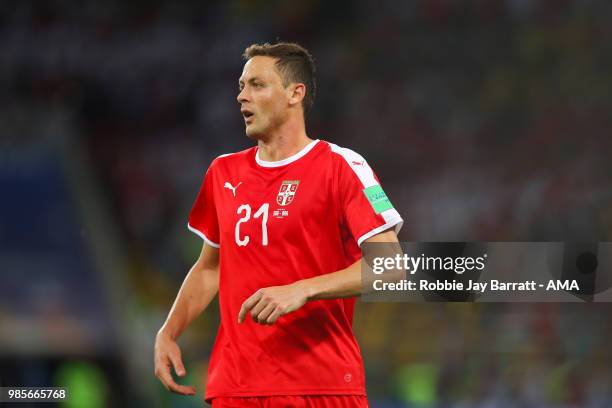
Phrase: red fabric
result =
(203, 216)
(311, 351)
(293, 401)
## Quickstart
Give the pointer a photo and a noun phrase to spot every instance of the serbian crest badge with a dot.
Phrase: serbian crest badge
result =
(287, 192)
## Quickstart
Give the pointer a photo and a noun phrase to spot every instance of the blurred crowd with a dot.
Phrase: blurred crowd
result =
(484, 121)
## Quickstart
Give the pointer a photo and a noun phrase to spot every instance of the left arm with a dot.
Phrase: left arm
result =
(268, 304)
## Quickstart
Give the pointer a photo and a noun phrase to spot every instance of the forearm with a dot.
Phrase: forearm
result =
(348, 282)
(343, 283)
(197, 291)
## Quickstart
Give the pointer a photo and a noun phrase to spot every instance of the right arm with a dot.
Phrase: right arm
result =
(197, 291)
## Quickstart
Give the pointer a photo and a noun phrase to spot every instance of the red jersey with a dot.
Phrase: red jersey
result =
(276, 223)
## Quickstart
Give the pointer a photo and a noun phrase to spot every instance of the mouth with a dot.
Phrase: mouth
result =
(247, 115)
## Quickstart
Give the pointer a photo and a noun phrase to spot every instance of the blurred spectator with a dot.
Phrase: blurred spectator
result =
(485, 121)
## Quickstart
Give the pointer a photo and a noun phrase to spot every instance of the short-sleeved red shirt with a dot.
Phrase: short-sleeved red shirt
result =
(276, 223)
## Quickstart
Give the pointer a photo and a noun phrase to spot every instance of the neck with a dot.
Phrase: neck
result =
(284, 142)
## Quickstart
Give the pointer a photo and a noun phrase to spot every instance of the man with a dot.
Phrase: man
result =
(282, 225)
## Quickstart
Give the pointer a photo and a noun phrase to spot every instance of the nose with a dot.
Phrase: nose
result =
(242, 96)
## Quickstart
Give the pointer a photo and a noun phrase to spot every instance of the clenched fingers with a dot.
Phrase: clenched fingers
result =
(262, 316)
(163, 373)
(177, 362)
(274, 316)
(248, 305)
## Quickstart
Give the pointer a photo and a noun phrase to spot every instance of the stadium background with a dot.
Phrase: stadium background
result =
(485, 120)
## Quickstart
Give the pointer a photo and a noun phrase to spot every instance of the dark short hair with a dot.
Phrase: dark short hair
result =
(294, 63)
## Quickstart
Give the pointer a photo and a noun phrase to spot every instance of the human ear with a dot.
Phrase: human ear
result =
(297, 92)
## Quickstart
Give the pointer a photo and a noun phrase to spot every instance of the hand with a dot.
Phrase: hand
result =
(168, 354)
(268, 304)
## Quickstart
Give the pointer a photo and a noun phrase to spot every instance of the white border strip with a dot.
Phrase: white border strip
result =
(365, 174)
(363, 171)
(289, 159)
(398, 222)
(204, 237)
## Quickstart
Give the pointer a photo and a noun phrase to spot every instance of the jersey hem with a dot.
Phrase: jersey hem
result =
(268, 393)
(397, 221)
(204, 237)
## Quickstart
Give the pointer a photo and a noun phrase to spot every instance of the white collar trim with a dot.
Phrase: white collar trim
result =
(289, 159)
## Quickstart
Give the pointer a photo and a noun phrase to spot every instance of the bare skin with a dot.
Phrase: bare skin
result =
(273, 114)
(274, 117)
(268, 304)
(198, 289)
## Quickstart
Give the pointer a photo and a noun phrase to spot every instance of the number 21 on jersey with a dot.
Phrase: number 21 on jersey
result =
(261, 212)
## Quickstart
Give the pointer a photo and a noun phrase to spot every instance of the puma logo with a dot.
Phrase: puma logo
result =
(230, 187)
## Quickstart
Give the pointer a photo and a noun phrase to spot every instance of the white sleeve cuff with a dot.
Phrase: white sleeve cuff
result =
(397, 221)
(201, 235)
